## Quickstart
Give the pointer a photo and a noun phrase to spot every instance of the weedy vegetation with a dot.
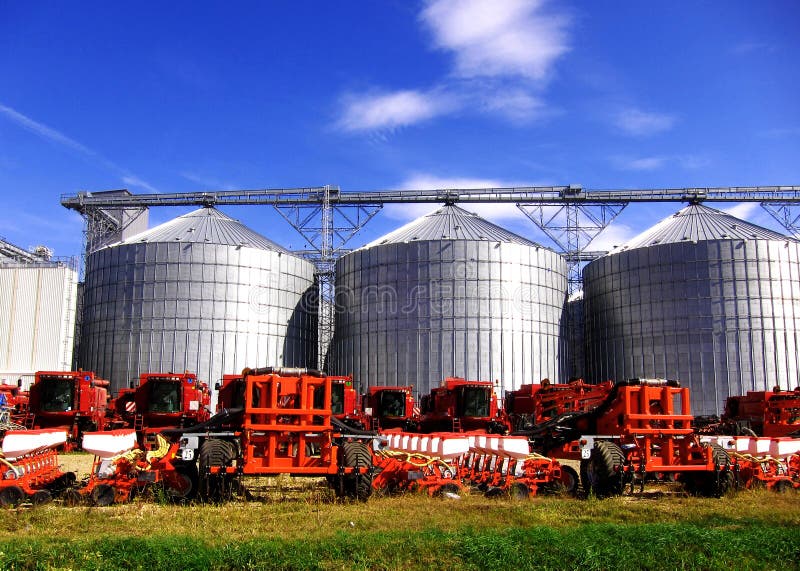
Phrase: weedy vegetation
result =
(298, 525)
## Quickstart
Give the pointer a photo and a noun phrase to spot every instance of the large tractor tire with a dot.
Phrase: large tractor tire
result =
(601, 474)
(711, 484)
(356, 485)
(11, 496)
(215, 453)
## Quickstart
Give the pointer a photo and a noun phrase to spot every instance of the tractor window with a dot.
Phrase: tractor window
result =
(164, 396)
(57, 395)
(337, 398)
(237, 396)
(475, 401)
(392, 403)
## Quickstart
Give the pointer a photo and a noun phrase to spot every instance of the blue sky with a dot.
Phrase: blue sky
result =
(188, 96)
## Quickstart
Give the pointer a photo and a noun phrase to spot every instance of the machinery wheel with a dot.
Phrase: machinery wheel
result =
(215, 453)
(357, 455)
(707, 484)
(11, 496)
(182, 483)
(40, 497)
(519, 491)
(447, 489)
(569, 479)
(598, 473)
(72, 498)
(783, 487)
(103, 495)
(62, 484)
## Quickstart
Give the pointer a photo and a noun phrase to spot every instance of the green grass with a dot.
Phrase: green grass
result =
(305, 530)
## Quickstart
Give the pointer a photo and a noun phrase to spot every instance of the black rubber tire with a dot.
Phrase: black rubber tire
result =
(783, 487)
(103, 495)
(494, 492)
(519, 491)
(40, 497)
(72, 498)
(569, 480)
(447, 489)
(11, 496)
(215, 453)
(186, 482)
(62, 484)
(706, 484)
(598, 474)
(357, 455)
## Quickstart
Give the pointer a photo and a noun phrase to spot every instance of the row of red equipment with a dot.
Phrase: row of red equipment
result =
(304, 423)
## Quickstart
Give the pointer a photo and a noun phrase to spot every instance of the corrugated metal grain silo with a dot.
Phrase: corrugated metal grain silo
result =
(702, 297)
(450, 294)
(201, 292)
(37, 317)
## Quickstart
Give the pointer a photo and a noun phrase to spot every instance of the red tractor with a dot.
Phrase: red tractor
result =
(13, 403)
(73, 400)
(461, 406)
(287, 425)
(761, 413)
(346, 404)
(388, 408)
(230, 392)
(163, 400)
(642, 429)
(531, 405)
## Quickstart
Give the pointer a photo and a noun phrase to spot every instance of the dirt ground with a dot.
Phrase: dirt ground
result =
(78, 462)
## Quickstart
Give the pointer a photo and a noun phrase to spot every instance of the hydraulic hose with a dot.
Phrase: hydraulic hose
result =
(346, 428)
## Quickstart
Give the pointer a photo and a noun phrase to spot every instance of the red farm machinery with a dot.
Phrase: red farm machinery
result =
(75, 401)
(30, 470)
(162, 400)
(460, 405)
(388, 408)
(758, 413)
(285, 426)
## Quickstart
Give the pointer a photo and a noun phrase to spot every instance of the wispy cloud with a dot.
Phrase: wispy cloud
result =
(744, 48)
(207, 182)
(686, 162)
(510, 37)
(640, 123)
(612, 236)
(780, 132)
(498, 213)
(743, 210)
(374, 111)
(639, 164)
(52, 135)
(503, 53)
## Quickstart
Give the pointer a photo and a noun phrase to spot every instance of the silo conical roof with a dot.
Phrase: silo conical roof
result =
(697, 223)
(205, 226)
(451, 223)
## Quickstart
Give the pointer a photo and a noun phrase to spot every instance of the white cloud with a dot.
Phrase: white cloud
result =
(503, 52)
(54, 136)
(640, 164)
(640, 123)
(613, 235)
(508, 37)
(686, 162)
(743, 210)
(497, 213)
(515, 104)
(374, 111)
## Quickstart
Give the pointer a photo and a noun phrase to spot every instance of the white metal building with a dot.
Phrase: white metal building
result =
(37, 317)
